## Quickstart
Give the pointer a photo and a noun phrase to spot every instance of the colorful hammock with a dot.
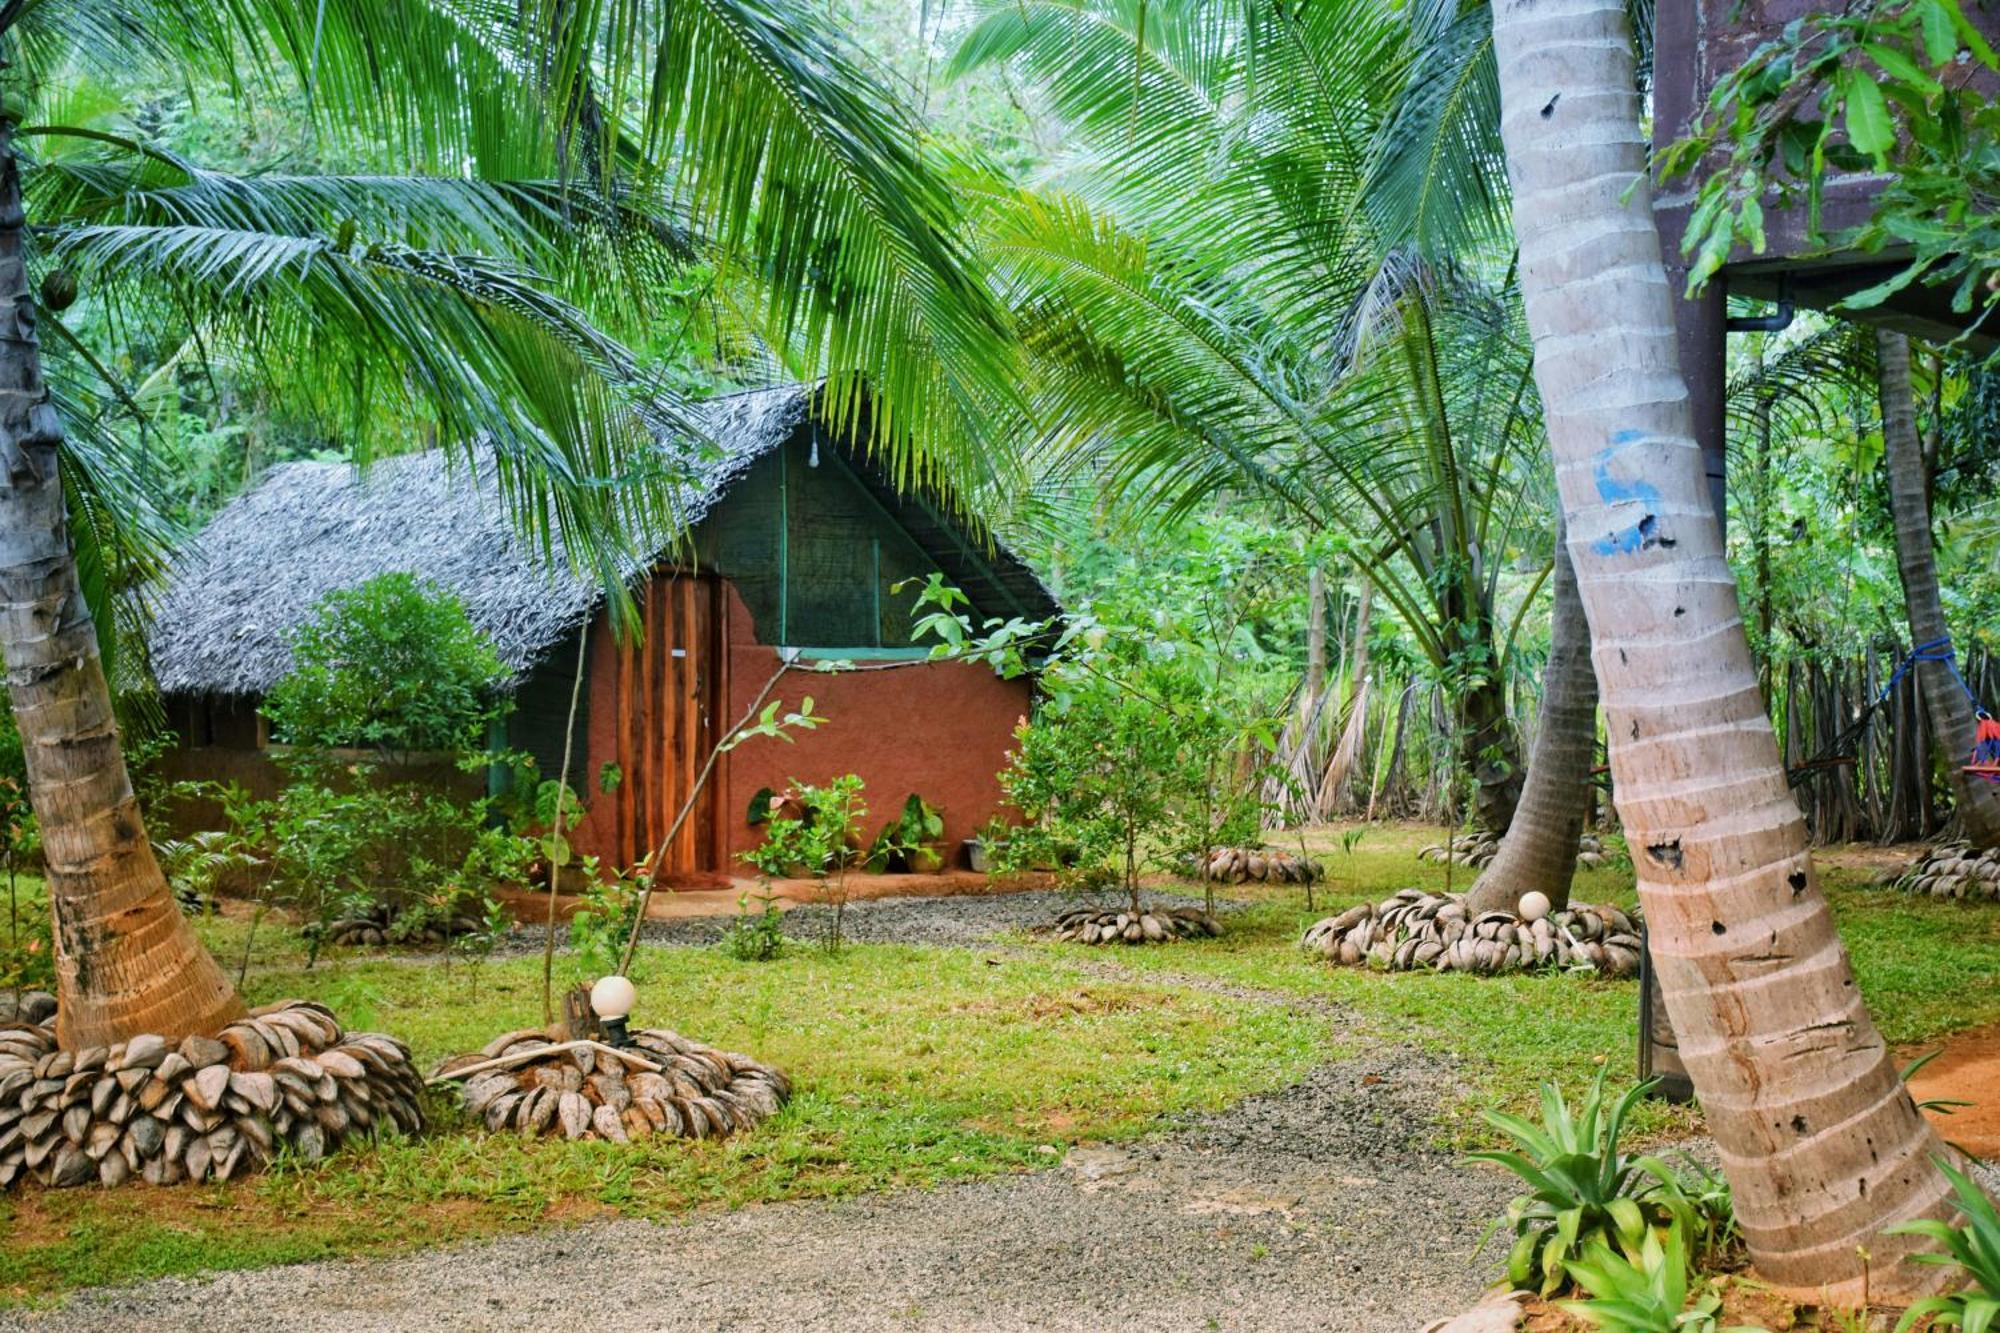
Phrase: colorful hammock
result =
(1986, 749)
(1984, 761)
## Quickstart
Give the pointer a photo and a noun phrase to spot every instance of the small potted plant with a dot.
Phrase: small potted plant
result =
(910, 841)
(984, 845)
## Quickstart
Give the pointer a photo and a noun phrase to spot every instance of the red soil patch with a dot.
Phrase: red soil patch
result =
(1966, 1070)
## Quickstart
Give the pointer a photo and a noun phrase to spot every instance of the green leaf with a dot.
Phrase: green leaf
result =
(1750, 225)
(1888, 287)
(1899, 66)
(1631, 1222)
(1940, 34)
(1869, 126)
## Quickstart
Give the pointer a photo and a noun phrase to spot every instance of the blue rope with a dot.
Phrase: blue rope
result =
(1937, 650)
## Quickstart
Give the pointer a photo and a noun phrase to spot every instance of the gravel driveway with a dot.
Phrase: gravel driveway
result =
(963, 920)
(1319, 1207)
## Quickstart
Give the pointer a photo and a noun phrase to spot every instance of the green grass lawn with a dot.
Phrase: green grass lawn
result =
(913, 1066)
(1927, 967)
(916, 1066)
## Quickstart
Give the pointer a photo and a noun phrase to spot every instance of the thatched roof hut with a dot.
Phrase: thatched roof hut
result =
(788, 539)
(308, 529)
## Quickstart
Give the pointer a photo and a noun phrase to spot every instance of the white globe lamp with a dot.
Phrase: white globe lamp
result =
(611, 999)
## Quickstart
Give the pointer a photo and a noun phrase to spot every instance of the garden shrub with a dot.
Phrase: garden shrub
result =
(337, 843)
(755, 937)
(606, 915)
(1587, 1196)
(821, 841)
(394, 665)
(1137, 758)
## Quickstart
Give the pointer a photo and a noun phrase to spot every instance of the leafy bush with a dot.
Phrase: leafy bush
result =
(335, 842)
(1974, 1247)
(1585, 1192)
(13, 759)
(394, 665)
(755, 937)
(194, 865)
(606, 914)
(820, 841)
(1132, 761)
(1143, 751)
(1095, 774)
(909, 840)
(28, 960)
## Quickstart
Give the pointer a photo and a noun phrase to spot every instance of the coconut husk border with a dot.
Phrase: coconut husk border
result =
(662, 1083)
(286, 1078)
(1416, 929)
(1121, 925)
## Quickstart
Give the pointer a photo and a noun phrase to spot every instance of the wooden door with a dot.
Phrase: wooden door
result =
(668, 697)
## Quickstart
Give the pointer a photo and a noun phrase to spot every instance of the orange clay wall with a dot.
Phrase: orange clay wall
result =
(939, 729)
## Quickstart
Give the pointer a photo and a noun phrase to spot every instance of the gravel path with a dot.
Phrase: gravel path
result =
(962, 920)
(1319, 1207)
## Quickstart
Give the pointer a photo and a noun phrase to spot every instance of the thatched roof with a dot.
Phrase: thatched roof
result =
(256, 572)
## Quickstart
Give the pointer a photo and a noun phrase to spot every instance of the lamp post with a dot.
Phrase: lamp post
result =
(611, 999)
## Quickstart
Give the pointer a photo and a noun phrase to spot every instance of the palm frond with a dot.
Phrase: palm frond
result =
(1437, 176)
(463, 352)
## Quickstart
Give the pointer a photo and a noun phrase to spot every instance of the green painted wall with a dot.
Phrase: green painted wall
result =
(813, 554)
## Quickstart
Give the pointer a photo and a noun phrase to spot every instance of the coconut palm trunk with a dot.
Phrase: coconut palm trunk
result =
(126, 961)
(1491, 750)
(1821, 1142)
(1539, 851)
(1953, 719)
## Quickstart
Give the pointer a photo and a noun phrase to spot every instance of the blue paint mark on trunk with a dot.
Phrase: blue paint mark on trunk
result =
(1639, 536)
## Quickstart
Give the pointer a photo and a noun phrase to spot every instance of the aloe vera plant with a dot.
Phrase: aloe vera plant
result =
(1584, 1191)
(1973, 1246)
(1644, 1289)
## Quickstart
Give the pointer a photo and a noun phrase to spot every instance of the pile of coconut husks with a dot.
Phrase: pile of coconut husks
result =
(661, 1083)
(287, 1076)
(1478, 848)
(1416, 929)
(1952, 870)
(1234, 865)
(1121, 925)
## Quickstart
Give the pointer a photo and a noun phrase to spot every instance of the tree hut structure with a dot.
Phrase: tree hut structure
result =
(1696, 43)
(790, 550)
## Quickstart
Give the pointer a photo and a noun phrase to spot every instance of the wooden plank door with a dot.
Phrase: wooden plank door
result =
(668, 696)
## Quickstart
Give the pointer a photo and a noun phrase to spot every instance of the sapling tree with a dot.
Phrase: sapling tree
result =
(822, 841)
(1096, 774)
(1146, 748)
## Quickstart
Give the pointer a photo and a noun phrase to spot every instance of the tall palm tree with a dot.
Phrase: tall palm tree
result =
(1213, 304)
(1952, 714)
(1538, 855)
(1823, 1145)
(536, 140)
